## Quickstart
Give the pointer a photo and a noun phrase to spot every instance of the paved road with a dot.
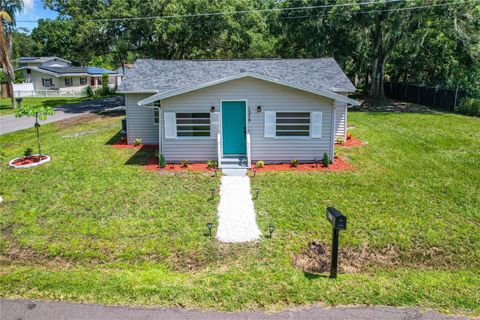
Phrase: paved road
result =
(10, 124)
(37, 310)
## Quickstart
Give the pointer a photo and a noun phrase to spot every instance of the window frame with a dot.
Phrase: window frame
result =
(194, 137)
(301, 137)
(156, 112)
(70, 81)
(44, 82)
(83, 81)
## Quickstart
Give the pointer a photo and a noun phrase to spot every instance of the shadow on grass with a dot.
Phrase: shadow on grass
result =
(313, 276)
(115, 139)
(142, 157)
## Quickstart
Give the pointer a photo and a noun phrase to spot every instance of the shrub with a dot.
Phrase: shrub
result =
(161, 161)
(185, 163)
(89, 92)
(349, 135)
(294, 163)
(340, 141)
(28, 152)
(326, 160)
(137, 142)
(469, 107)
(260, 164)
(212, 164)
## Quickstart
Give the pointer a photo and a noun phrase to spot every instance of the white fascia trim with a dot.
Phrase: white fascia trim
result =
(138, 91)
(323, 93)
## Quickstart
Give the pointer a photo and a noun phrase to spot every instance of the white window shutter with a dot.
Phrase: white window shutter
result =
(170, 125)
(214, 124)
(270, 124)
(316, 124)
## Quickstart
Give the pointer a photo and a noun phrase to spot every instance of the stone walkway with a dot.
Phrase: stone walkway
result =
(236, 214)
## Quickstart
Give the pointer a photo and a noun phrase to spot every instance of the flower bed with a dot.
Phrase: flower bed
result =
(340, 164)
(123, 144)
(352, 142)
(153, 166)
(28, 162)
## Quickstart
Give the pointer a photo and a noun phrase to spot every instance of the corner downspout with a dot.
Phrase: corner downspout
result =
(334, 118)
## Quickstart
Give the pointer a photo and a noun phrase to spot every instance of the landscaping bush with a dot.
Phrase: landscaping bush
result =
(28, 152)
(185, 163)
(260, 164)
(137, 142)
(340, 141)
(89, 91)
(326, 160)
(161, 161)
(212, 164)
(349, 135)
(294, 163)
(469, 107)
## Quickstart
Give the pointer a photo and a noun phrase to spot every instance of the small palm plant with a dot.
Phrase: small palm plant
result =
(40, 113)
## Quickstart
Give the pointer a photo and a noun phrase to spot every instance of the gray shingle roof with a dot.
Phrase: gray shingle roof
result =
(37, 59)
(168, 75)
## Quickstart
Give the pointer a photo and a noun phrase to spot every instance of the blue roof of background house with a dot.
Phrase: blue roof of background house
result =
(69, 70)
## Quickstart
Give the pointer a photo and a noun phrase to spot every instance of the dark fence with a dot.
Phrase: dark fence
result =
(427, 96)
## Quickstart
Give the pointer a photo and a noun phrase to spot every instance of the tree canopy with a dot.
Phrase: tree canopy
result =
(435, 42)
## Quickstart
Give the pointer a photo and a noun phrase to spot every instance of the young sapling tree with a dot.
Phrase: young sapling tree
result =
(40, 113)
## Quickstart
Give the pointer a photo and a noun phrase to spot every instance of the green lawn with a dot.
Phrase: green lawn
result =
(6, 105)
(93, 226)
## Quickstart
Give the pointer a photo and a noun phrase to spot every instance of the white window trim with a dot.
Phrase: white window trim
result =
(294, 137)
(71, 81)
(45, 80)
(194, 137)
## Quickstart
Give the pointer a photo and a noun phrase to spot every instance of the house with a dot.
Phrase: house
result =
(57, 74)
(238, 111)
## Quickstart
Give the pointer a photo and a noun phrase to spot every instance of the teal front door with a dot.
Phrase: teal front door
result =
(234, 127)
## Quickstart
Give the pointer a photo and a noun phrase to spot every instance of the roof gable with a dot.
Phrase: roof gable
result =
(169, 75)
(320, 92)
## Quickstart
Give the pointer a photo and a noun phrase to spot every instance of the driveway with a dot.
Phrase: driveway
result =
(40, 310)
(10, 124)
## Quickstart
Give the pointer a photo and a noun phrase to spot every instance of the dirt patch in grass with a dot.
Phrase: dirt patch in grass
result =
(315, 258)
(389, 105)
(78, 119)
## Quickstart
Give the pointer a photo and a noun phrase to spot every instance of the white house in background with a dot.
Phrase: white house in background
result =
(238, 111)
(57, 74)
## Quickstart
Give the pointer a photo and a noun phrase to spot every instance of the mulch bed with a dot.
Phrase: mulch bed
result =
(352, 142)
(28, 160)
(153, 166)
(122, 144)
(340, 164)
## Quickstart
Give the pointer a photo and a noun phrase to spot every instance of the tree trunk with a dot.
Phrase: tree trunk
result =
(378, 72)
(37, 126)
(10, 87)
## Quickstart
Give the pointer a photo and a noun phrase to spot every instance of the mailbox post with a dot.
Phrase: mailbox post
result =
(338, 222)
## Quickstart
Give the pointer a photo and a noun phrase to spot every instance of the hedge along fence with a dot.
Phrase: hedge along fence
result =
(427, 96)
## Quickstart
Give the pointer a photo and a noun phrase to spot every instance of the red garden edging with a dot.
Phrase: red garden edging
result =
(28, 162)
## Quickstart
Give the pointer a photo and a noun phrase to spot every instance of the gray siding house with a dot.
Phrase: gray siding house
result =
(238, 111)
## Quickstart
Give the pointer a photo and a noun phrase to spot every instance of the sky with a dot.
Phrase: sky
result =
(33, 10)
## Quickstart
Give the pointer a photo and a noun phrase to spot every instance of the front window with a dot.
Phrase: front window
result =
(193, 124)
(292, 124)
(99, 81)
(68, 82)
(83, 81)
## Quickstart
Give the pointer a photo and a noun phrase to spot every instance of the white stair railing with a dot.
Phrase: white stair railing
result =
(219, 150)
(249, 160)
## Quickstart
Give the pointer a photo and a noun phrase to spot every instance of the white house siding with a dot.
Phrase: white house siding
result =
(270, 96)
(140, 120)
(341, 121)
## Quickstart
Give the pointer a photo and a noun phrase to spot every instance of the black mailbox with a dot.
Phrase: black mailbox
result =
(338, 220)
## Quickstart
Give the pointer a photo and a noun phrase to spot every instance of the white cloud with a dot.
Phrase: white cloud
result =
(27, 5)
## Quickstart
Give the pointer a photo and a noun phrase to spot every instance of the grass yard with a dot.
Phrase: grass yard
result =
(93, 226)
(6, 106)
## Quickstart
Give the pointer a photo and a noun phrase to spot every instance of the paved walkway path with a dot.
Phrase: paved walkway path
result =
(236, 214)
(10, 124)
(39, 310)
